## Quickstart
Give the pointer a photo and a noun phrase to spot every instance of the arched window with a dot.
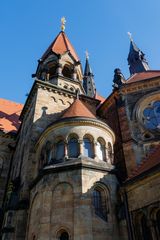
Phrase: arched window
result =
(87, 147)
(52, 71)
(100, 203)
(60, 148)
(101, 150)
(146, 234)
(158, 223)
(67, 71)
(64, 236)
(73, 148)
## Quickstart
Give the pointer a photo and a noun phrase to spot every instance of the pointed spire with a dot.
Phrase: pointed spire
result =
(60, 45)
(136, 58)
(88, 80)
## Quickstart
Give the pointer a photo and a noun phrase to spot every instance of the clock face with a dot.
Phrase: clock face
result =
(151, 116)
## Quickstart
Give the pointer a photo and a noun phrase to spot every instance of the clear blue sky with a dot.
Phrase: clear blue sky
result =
(27, 27)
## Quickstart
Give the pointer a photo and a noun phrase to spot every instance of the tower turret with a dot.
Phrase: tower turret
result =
(60, 64)
(88, 80)
(136, 58)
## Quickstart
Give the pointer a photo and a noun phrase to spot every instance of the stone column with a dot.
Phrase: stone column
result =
(65, 150)
(80, 147)
(74, 74)
(59, 69)
(95, 149)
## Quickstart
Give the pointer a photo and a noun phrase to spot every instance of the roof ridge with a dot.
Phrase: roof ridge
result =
(64, 38)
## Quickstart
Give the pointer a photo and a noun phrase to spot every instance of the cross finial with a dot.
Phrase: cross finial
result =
(87, 54)
(130, 36)
(63, 22)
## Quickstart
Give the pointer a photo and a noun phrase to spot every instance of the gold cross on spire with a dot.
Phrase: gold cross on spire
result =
(130, 36)
(87, 54)
(63, 22)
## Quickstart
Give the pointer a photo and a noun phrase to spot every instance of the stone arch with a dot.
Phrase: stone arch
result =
(72, 134)
(155, 219)
(62, 230)
(67, 71)
(101, 203)
(142, 230)
(62, 208)
(34, 216)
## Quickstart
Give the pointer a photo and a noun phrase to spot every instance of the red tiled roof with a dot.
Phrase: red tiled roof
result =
(61, 45)
(9, 115)
(100, 98)
(148, 163)
(78, 109)
(143, 75)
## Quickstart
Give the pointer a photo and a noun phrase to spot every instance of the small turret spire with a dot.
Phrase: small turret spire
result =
(136, 58)
(88, 80)
(130, 36)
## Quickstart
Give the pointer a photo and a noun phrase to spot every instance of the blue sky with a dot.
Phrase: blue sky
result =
(27, 27)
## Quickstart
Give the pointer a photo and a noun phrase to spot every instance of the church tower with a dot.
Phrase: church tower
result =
(63, 181)
(136, 59)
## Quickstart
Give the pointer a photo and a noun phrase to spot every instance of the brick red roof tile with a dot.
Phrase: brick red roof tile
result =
(152, 160)
(143, 76)
(100, 98)
(78, 109)
(60, 45)
(9, 115)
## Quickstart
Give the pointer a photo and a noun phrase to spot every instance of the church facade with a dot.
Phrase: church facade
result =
(74, 165)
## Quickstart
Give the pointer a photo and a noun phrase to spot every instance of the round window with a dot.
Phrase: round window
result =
(151, 116)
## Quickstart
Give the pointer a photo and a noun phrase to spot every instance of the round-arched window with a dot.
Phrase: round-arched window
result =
(151, 116)
(64, 236)
(60, 150)
(87, 147)
(67, 71)
(101, 150)
(100, 203)
(73, 148)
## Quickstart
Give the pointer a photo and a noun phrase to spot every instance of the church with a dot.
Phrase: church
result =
(77, 166)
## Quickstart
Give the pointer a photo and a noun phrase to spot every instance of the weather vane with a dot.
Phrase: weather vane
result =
(130, 36)
(87, 54)
(63, 22)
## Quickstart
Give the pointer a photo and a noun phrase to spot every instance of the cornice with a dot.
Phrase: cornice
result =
(140, 85)
(70, 166)
(74, 121)
(51, 88)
